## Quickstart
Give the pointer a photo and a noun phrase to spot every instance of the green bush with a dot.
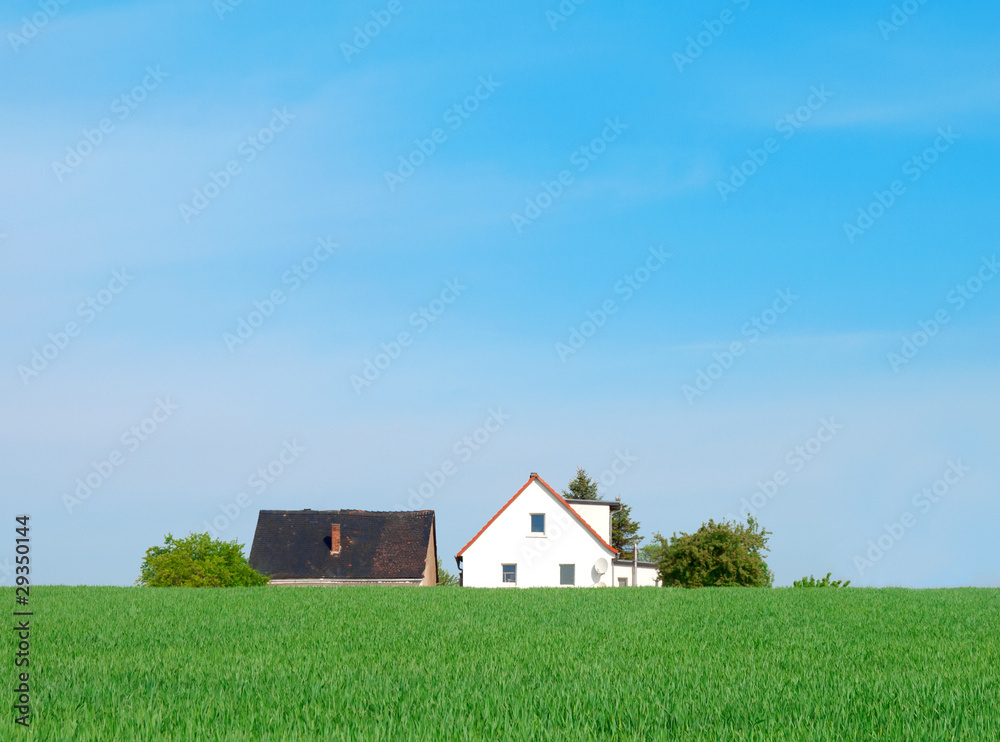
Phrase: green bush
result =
(198, 561)
(722, 554)
(811, 581)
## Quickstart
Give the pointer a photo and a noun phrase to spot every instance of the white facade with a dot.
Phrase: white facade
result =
(596, 514)
(569, 542)
(646, 574)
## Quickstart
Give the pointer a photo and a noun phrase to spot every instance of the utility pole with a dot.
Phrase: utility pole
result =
(635, 563)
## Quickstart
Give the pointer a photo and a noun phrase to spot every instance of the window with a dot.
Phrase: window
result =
(567, 574)
(538, 523)
(623, 582)
(509, 573)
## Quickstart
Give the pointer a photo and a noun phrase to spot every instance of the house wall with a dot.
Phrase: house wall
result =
(598, 517)
(430, 563)
(508, 540)
(646, 573)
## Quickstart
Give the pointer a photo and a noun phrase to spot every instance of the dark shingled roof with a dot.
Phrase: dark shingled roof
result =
(295, 544)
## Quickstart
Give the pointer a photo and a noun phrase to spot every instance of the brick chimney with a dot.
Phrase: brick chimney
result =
(335, 538)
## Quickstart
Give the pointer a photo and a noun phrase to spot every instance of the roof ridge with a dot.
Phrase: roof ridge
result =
(350, 511)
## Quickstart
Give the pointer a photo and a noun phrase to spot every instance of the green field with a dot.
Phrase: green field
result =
(459, 664)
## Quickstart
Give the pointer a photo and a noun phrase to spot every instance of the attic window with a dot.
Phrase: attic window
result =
(335, 538)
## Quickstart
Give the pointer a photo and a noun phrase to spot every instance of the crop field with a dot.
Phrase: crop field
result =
(395, 664)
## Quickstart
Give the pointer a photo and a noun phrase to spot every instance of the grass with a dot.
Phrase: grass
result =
(459, 664)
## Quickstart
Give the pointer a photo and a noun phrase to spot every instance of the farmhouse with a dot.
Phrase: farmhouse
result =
(540, 539)
(345, 547)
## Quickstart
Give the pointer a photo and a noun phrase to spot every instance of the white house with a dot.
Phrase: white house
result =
(540, 539)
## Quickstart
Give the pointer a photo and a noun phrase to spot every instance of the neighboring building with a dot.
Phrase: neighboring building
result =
(345, 547)
(645, 574)
(540, 539)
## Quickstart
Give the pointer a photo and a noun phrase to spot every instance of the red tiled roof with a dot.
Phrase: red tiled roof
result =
(557, 496)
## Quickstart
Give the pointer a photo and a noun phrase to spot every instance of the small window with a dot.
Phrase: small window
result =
(538, 522)
(623, 582)
(567, 574)
(510, 573)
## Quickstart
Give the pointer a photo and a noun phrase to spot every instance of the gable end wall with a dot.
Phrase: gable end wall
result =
(508, 539)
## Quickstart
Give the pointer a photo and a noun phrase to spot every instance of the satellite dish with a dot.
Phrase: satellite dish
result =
(601, 565)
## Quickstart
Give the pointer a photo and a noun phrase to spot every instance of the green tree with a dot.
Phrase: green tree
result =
(811, 581)
(582, 487)
(197, 561)
(624, 530)
(652, 551)
(716, 555)
(445, 578)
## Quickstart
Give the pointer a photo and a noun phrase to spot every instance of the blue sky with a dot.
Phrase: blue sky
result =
(867, 199)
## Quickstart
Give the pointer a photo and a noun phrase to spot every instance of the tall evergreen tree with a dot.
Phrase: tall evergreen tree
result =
(582, 487)
(624, 530)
